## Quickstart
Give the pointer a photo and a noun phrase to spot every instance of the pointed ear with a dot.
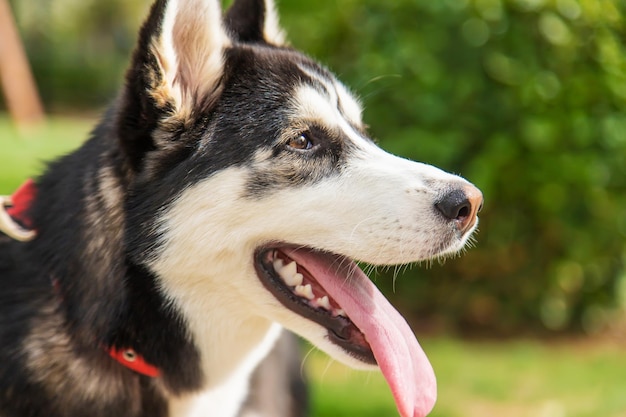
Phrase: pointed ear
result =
(176, 70)
(255, 21)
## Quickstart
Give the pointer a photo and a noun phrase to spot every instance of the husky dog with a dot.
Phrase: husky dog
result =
(225, 195)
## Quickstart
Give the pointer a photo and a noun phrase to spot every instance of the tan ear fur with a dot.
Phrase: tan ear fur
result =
(190, 52)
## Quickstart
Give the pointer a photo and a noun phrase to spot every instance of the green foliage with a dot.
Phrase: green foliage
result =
(526, 98)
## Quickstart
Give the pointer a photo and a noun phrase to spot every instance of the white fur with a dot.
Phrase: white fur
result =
(311, 105)
(343, 100)
(349, 104)
(225, 399)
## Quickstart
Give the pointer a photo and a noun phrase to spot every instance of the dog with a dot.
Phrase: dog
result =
(226, 195)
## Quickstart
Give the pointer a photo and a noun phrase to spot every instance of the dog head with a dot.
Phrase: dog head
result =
(254, 188)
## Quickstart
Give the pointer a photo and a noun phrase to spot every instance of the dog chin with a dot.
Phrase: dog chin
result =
(457, 244)
(319, 338)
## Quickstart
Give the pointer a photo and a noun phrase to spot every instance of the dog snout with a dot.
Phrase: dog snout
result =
(461, 205)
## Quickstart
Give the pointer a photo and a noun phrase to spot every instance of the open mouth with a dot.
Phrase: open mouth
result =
(299, 290)
(330, 290)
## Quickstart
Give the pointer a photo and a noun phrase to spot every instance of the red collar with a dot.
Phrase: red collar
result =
(13, 219)
(132, 360)
(15, 223)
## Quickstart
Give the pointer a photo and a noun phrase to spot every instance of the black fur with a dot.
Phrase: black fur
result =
(84, 278)
(149, 318)
(245, 20)
(139, 113)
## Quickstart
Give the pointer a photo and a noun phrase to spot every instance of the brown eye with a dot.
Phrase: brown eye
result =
(301, 142)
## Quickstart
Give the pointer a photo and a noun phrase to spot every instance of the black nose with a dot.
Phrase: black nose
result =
(461, 205)
(455, 204)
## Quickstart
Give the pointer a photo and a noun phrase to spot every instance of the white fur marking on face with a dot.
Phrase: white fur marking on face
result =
(312, 105)
(349, 104)
(215, 293)
(340, 96)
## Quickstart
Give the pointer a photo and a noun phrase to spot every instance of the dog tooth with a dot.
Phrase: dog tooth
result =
(309, 292)
(305, 291)
(339, 313)
(288, 271)
(278, 264)
(324, 302)
(295, 280)
(299, 291)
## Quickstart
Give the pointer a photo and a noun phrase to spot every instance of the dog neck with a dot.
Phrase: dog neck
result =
(231, 338)
(226, 398)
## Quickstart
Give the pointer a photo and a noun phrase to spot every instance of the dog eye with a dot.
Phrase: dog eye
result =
(301, 142)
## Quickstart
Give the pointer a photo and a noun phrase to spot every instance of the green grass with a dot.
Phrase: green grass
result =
(23, 154)
(489, 379)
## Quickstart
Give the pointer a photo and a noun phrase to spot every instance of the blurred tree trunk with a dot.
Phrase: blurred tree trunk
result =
(17, 81)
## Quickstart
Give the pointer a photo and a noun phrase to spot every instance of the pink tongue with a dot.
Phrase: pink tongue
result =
(400, 357)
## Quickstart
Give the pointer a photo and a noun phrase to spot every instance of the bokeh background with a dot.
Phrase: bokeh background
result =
(526, 98)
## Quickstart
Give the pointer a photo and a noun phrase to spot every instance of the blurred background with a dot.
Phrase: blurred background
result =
(525, 98)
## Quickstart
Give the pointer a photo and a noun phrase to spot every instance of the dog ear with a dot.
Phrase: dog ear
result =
(176, 71)
(255, 21)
